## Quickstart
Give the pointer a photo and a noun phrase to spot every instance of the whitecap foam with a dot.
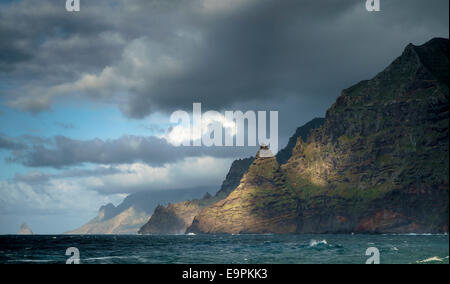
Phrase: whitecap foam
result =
(314, 243)
(432, 259)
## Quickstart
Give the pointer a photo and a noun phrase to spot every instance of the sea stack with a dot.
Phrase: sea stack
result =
(24, 230)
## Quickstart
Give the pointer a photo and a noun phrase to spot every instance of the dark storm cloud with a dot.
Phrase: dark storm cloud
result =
(69, 152)
(290, 48)
(148, 56)
(10, 144)
(10, 55)
(27, 25)
(61, 152)
(39, 177)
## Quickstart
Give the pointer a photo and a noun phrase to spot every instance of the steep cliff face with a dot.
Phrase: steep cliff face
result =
(379, 164)
(176, 218)
(262, 203)
(285, 154)
(173, 219)
(237, 170)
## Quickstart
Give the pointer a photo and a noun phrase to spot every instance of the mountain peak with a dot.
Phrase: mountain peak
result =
(439, 42)
(107, 211)
(433, 55)
(433, 44)
(408, 77)
(382, 150)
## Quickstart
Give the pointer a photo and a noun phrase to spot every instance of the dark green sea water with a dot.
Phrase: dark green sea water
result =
(243, 249)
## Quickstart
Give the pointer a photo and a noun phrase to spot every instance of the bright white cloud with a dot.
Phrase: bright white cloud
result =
(188, 173)
(183, 133)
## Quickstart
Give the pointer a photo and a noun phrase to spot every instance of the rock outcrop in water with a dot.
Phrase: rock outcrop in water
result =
(24, 230)
(379, 164)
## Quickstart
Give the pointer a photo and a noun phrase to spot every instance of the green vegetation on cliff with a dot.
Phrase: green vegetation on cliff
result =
(378, 164)
(176, 218)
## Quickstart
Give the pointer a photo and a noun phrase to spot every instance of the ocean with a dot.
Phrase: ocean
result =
(226, 249)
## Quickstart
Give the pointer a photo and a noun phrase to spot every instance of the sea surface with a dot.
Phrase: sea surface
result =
(228, 249)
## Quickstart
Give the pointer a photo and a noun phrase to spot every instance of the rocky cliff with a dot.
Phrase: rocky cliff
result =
(379, 164)
(285, 154)
(176, 218)
(262, 203)
(173, 219)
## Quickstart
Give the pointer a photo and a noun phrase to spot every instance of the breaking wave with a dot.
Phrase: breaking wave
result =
(432, 259)
(315, 243)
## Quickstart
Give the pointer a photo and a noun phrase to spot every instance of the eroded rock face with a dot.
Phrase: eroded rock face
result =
(181, 215)
(379, 164)
(176, 218)
(260, 204)
(173, 219)
(285, 154)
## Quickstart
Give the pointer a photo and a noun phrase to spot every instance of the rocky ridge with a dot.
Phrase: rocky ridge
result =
(379, 164)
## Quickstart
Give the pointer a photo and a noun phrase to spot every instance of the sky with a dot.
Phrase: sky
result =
(86, 97)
